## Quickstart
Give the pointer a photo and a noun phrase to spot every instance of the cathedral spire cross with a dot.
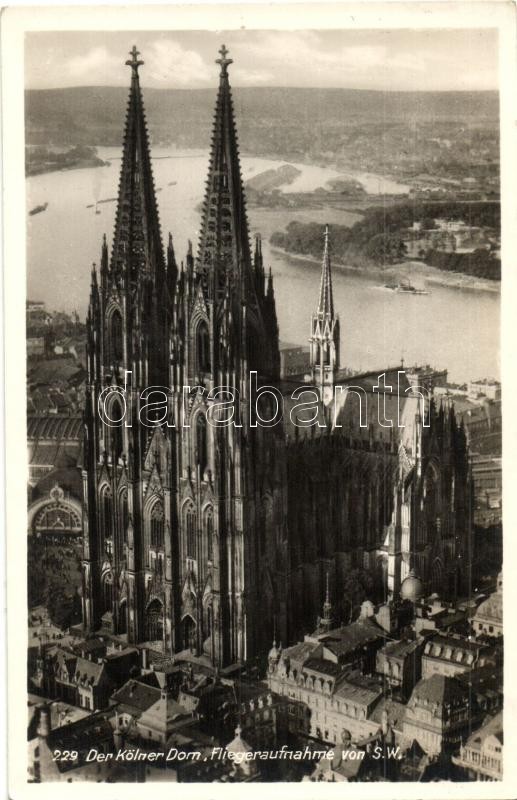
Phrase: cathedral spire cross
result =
(134, 62)
(223, 61)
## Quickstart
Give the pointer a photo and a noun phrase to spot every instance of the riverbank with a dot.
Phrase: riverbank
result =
(42, 160)
(417, 269)
(454, 280)
(42, 169)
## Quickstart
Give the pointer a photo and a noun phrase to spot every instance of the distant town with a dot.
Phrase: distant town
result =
(444, 145)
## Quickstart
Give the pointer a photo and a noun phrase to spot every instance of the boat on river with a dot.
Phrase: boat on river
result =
(38, 209)
(404, 286)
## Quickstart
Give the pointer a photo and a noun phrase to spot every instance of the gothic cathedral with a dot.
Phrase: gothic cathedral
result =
(208, 537)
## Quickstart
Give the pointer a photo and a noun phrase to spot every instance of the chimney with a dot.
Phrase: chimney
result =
(44, 722)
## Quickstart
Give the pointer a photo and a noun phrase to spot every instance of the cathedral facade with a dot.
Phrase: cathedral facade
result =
(206, 525)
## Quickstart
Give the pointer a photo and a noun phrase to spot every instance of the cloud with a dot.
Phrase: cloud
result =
(302, 57)
(305, 58)
(378, 59)
(168, 63)
(97, 63)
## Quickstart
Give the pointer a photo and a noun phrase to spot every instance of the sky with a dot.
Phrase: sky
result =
(402, 60)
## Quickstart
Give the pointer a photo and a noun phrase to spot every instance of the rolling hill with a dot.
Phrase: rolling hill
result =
(270, 120)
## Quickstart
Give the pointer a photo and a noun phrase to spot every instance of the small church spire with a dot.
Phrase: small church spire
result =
(270, 289)
(258, 264)
(326, 619)
(104, 259)
(326, 302)
(325, 333)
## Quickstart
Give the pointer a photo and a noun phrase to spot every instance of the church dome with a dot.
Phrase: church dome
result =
(412, 588)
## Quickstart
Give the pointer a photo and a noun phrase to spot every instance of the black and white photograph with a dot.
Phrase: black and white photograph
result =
(264, 477)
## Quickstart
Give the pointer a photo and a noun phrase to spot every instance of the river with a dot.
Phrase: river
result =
(449, 328)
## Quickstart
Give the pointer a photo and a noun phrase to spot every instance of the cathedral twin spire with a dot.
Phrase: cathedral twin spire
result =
(137, 246)
(223, 267)
(224, 251)
(224, 243)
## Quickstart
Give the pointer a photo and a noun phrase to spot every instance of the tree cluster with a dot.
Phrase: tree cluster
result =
(377, 238)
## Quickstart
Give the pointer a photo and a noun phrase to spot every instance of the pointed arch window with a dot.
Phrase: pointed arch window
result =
(190, 528)
(124, 515)
(209, 533)
(203, 347)
(115, 435)
(107, 516)
(201, 442)
(116, 341)
(157, 525)
(154, 621)
(108, 592)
